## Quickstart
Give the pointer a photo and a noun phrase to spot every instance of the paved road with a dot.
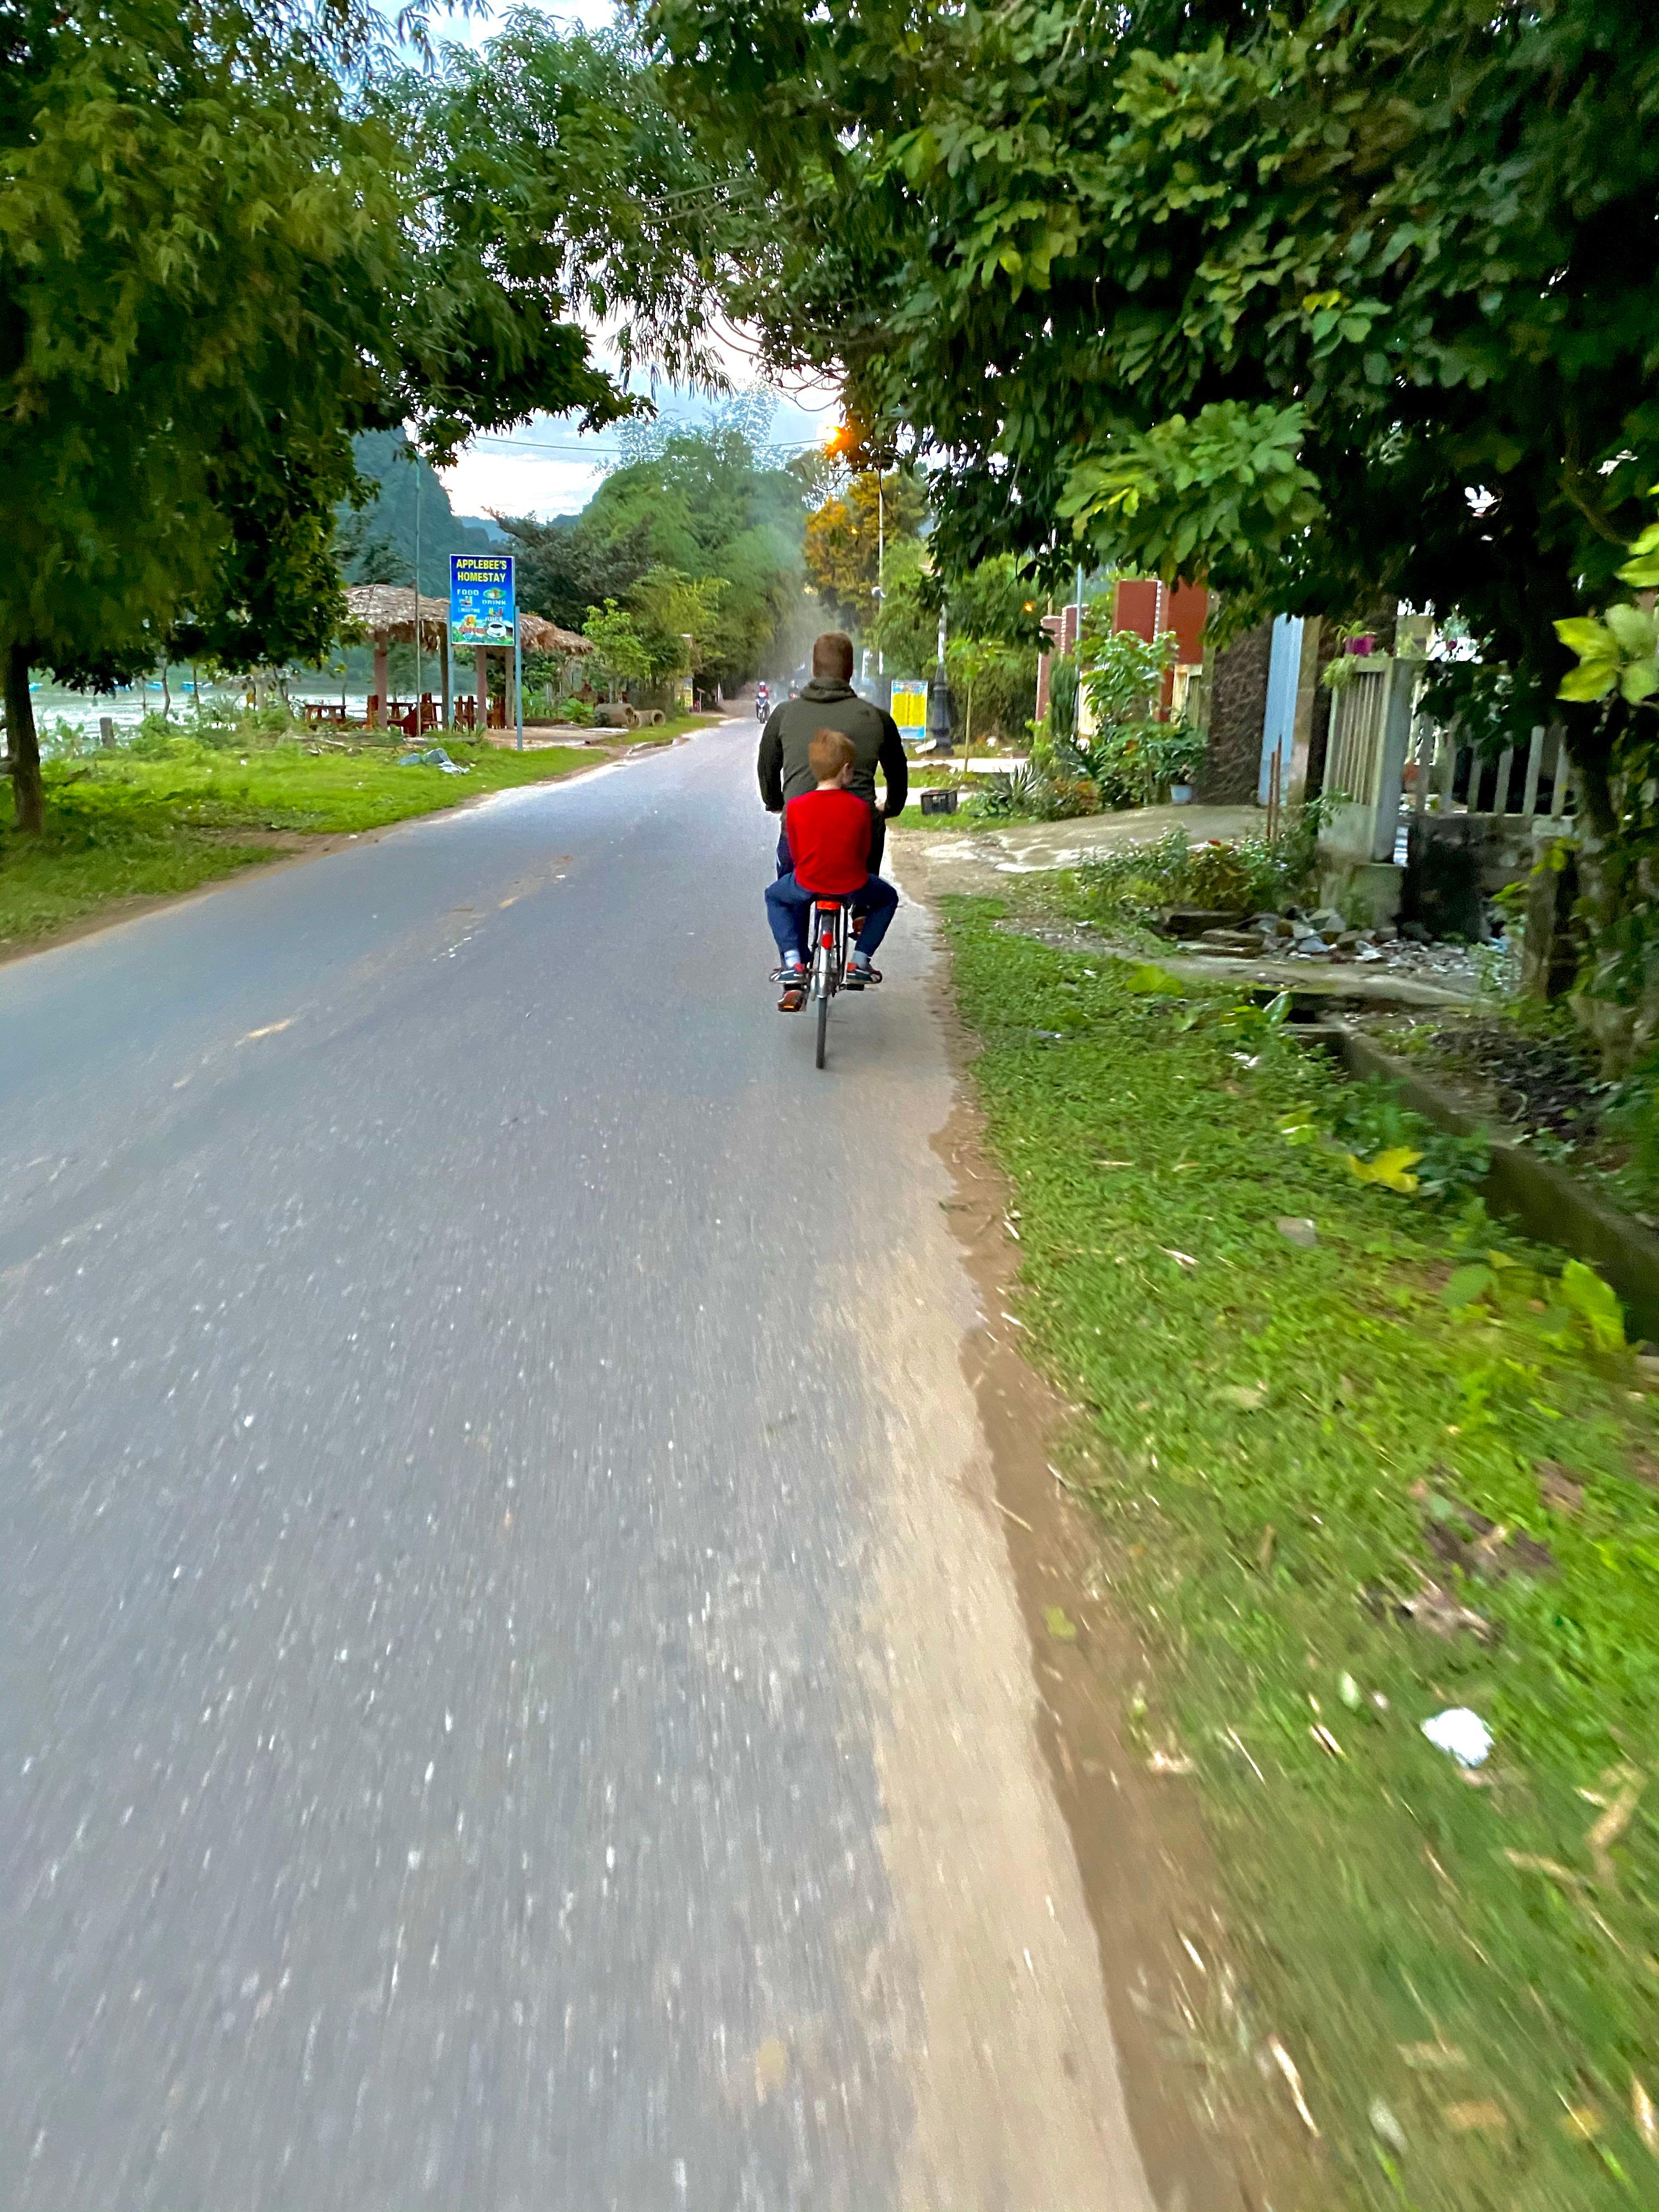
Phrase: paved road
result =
(512, 1696)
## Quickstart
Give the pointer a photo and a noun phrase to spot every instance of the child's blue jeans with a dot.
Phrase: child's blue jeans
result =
(787, 903)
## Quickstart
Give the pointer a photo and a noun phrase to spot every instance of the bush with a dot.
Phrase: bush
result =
(1005, 699)
(1134, 763)
(1123, 673)
(1062, 699)
(67, 740)
(157, 739)
(1062, 797)
(1245, 876)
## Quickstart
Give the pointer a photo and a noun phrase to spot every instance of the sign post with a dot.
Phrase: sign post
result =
(483, 612)
(908, 707)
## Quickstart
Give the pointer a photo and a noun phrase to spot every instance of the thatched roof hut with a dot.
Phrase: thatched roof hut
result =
(386, 611)
(535, 636)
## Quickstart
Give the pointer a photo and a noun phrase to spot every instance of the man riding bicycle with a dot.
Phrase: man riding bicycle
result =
(829, 701)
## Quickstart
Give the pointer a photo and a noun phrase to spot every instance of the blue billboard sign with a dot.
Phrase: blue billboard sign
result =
(482, 610)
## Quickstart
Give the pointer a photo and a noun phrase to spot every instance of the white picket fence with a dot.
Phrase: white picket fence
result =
(1387, 761)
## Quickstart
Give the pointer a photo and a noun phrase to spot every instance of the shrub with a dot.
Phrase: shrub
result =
(1246, 875)
(1123, 673)
(1062, 699)
(1034, 793)
(1062, 797)
(1134, 763)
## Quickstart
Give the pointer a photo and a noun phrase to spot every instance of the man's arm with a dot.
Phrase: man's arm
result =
(895, 767)
(769, 764)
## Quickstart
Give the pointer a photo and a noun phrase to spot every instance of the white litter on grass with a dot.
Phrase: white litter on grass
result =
(1460, 1732)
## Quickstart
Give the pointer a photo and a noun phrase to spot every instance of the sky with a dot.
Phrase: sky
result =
(548, 466)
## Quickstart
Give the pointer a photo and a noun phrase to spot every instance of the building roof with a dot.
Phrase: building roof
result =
(388, 610)
(537, 636)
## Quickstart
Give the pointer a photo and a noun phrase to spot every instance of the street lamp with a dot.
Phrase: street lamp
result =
(940, 728)
(881, 569)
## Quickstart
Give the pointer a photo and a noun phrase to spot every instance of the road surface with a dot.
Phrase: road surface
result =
(511, 1695)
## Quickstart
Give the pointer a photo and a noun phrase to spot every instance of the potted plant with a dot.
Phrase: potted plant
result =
(1180, 756)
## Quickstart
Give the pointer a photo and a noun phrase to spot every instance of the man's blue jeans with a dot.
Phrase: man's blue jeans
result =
(788, 904)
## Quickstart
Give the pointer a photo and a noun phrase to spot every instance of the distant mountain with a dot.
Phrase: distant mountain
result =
(491, 529)
(378, 542)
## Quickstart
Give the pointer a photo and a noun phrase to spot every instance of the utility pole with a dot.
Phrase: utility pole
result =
(881, 566)
(420, 662)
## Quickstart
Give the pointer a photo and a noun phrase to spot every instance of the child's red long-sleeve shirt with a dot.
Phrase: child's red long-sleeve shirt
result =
(829, 833)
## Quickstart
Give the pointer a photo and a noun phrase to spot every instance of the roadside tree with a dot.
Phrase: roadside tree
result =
(850, 536)
(621, 655)
(1315, 305)
(217, 264)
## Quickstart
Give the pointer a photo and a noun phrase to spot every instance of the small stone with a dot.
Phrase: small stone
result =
(1298, 1230)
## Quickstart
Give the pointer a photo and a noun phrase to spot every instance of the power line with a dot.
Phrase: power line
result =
(615, 452)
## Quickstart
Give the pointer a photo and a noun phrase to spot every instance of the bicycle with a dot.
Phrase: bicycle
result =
(828, 963)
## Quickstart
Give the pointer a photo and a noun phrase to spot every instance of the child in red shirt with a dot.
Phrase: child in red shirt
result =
(828, 831)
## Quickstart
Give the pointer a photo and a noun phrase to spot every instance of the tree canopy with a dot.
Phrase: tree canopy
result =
(700, 506)
(1350, 298)
(845, 536)
(222, 229)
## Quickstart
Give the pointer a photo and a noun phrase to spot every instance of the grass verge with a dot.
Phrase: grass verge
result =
(119, 827)
(1287, 1449)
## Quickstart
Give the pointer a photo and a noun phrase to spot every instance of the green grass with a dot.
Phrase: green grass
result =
(119, 827)
(1331, 1397)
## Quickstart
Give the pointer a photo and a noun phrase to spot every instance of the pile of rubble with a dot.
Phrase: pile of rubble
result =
(1324, 936)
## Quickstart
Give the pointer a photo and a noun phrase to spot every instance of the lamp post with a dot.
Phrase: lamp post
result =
(881, 569)
(939, 726)
(419, 658)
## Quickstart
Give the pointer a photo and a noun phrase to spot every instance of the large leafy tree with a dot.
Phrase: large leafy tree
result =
(231, 237)
(849, 536)
(696, 503)
(1322, 301)
(176, 228)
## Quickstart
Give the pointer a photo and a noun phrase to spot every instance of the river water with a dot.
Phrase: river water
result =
(127, 707)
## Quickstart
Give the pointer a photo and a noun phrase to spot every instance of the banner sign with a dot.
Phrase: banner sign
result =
(481, 599)
(909, 705)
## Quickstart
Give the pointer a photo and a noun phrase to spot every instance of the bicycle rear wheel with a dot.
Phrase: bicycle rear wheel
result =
(824, 1026)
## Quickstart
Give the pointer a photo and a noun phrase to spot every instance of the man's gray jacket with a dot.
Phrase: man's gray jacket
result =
(829, 704)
